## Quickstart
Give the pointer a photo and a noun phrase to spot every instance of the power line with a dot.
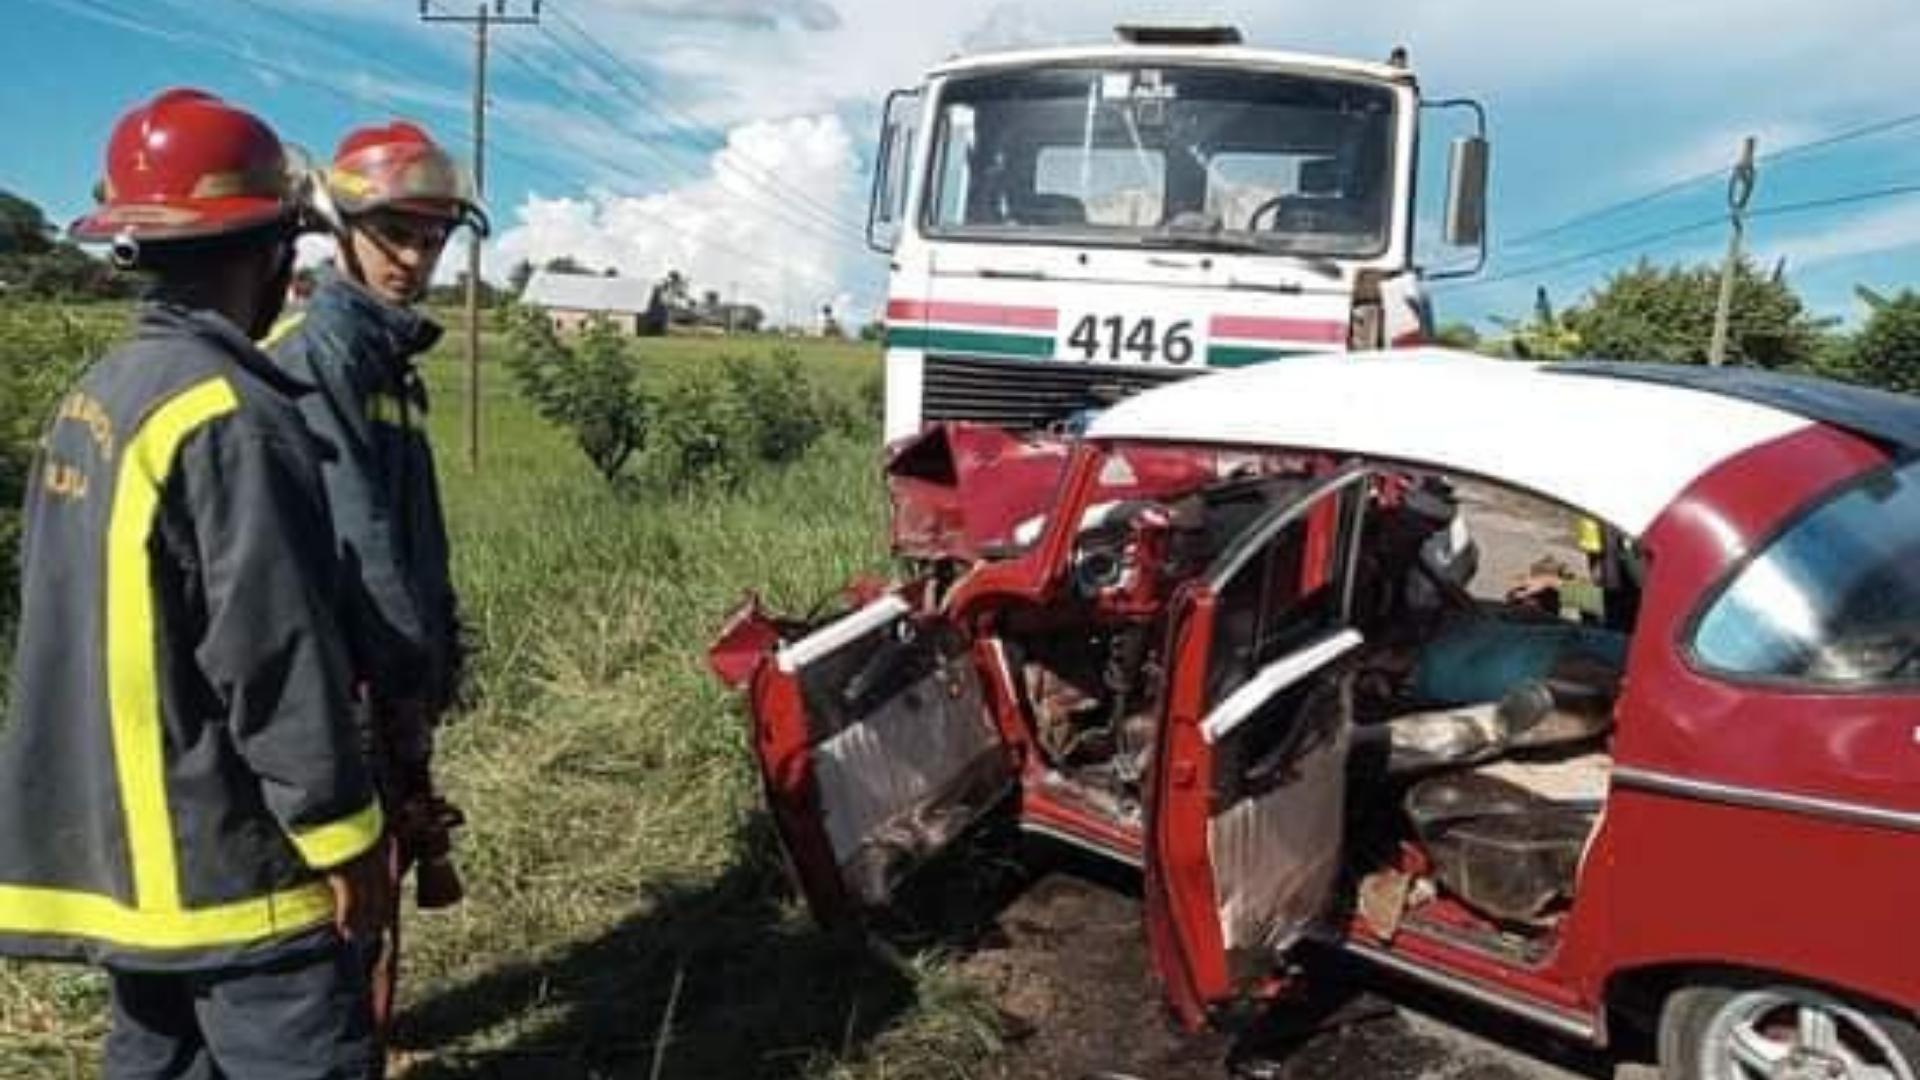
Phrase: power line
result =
(1861, 132)
(1836, 200)
(1644, 242)
(792, 207)
(1648, 242)
(617, 126)
(639, 90)
(1674, 187)
(482, 20)
(780, 211)
(103, 11)
(759, 181)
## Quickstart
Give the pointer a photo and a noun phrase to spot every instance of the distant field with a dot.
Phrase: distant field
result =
(622, 886)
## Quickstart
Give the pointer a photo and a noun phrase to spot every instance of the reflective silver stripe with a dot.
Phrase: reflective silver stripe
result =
(1568, 1023)
(841, 633)
(1081, 842)
(1762, 799)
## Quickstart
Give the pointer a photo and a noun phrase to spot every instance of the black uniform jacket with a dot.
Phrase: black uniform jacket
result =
(371, 406)
(180, 762)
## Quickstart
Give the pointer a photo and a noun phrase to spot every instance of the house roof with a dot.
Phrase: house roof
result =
(588, 292)
(1619, 448)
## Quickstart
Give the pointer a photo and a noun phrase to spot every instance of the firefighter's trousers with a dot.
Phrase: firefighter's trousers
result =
(303, 1017)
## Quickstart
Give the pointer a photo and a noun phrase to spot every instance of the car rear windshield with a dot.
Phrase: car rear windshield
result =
(1834, 600)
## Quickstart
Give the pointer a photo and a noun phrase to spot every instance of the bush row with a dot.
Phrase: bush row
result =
(42, 348)
(683, 427)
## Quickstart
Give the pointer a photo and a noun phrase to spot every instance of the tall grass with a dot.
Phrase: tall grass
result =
(625, 902)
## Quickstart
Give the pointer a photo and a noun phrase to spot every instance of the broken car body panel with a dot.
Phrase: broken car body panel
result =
(1701, 816)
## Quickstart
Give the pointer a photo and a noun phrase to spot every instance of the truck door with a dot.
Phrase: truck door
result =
(1244, 813)
(876, 747)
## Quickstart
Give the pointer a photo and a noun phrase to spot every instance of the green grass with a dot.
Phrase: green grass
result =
(622, 883)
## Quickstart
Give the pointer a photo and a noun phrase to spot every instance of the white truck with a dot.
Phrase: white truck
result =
(1067, 226)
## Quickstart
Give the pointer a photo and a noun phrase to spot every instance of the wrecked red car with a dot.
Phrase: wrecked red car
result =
(1263, 639)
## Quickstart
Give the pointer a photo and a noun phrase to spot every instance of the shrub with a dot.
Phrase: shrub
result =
(779, 406)
(42, 350)
(701, 432)
(591, 388)
(1651, 312)
(1886, 352)
(873, 396)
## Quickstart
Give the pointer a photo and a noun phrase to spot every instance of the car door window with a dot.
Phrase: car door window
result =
(1285, 584)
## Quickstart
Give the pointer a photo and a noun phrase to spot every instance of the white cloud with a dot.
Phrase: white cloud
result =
(1890, 228)
(722, 231)
(1718, 149)
(1699, 74)
(808, 14)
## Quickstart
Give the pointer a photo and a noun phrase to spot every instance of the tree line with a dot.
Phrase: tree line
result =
(1651, 312)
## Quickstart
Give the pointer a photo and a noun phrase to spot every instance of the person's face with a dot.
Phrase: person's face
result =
(395, 252)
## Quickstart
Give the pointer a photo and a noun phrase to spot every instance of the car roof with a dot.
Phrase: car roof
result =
(1621, 449)
(1880, 415)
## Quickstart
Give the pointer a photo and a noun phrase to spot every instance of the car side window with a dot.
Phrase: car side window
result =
(1833, 600)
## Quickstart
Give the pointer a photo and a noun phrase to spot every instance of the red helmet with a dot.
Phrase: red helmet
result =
(399, 166)
(188, 165)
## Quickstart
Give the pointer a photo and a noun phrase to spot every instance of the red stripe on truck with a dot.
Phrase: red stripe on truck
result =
(1255, 328)
(947, 311)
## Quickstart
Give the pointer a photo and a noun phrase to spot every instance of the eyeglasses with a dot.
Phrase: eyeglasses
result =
(410, 231)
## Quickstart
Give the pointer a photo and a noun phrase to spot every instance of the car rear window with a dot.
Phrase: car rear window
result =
(1834, 599)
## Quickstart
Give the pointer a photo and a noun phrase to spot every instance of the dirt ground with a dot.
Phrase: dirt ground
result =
(1065, 961)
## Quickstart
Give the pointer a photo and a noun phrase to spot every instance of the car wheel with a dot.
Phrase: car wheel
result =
(1779, 1031)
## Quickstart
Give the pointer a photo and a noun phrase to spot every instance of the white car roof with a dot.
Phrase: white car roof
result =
(1620, 449)
(1178, 56)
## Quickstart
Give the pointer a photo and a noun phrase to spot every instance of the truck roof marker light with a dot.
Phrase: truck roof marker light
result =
(1195, 34)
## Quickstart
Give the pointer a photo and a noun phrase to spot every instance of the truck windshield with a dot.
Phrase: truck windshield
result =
(1166, 155)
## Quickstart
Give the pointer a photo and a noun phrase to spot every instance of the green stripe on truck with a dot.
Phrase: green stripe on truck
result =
(1243, 355)
(964, 341)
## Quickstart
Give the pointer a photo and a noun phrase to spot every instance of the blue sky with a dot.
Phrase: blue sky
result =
(734, 143)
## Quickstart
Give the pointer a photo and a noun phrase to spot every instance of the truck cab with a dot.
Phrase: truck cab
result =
(1069, 226)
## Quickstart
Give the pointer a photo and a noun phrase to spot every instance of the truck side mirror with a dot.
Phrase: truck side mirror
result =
(1466, 224)
(893, 170)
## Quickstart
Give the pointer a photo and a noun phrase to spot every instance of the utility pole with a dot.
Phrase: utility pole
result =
(480, 20)
(1739, 190)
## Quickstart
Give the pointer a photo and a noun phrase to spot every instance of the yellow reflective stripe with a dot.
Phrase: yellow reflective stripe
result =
(283, 329)
(329, 845)
(133, 680)
(1588, 536)
(25, 910)
(385, 409)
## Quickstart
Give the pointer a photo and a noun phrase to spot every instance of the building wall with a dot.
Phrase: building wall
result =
(574, 320)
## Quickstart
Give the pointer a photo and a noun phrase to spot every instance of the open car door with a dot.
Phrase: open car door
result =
(876, 747)
(1245, 809)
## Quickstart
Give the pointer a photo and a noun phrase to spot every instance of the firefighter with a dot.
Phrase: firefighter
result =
(184, 800)
(392, 198)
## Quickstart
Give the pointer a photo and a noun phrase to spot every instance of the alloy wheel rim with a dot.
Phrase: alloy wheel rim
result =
(1797, 1035)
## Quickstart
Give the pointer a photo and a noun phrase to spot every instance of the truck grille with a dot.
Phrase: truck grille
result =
(1026, 394)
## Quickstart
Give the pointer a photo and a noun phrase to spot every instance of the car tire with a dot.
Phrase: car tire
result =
(1770, 1030)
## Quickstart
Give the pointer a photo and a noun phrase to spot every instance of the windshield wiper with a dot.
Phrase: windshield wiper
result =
(1205, 241)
